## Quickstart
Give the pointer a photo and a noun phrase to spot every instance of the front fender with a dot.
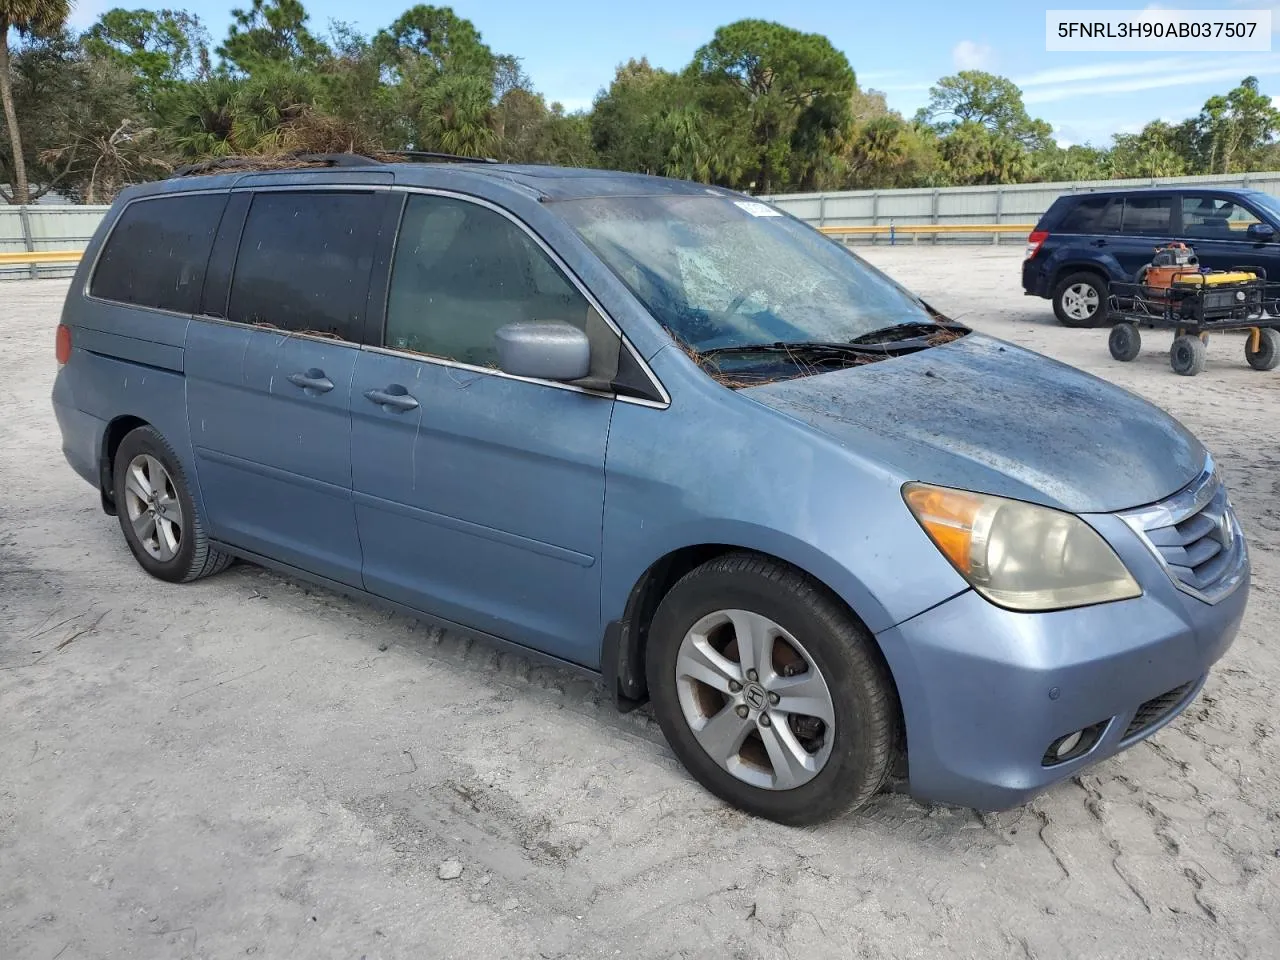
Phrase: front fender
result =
(718, 468)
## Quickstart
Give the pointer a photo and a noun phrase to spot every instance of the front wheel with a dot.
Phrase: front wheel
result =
(772, 695)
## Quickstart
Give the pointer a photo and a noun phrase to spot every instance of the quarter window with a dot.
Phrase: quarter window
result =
(157, 253)
(1093, 215)
(461, 272)
(305, 260)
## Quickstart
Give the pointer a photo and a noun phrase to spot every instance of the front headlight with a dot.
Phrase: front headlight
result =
(1019, 555)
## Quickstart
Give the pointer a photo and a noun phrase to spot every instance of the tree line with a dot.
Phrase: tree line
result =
(760, 107)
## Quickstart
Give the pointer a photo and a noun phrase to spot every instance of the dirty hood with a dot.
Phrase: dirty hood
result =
(985, 415)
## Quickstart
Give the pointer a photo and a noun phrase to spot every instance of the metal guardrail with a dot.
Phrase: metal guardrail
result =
(916, 230)
(40, 256)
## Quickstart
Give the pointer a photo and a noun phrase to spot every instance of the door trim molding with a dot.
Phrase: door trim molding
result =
(474, 529)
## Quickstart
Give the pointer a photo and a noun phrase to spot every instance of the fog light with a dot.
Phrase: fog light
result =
(1067, 744)
(1072, 745)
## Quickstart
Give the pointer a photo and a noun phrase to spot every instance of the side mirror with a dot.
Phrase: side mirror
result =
(549, 350)
(1261, 232)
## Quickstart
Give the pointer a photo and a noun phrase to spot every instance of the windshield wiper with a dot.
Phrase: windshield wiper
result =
(912, 330)
(808, 347)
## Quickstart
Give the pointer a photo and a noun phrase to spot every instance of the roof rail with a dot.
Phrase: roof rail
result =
(295, 160)
(432, 155)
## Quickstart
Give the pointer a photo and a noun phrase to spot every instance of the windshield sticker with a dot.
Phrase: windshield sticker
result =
(756, 209)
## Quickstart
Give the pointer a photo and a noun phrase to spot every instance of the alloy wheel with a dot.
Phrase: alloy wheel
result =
(1080, 301)
(151, 501)
(755, 699)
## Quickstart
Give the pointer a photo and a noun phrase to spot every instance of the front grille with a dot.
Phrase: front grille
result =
(1156, 709)
(1196, 537)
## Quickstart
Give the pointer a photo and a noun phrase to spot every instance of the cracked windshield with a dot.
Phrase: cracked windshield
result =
(721, 273)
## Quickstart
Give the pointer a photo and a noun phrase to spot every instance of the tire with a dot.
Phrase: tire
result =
(1125, 342)
(822, 651)
(1187, 355)
(1268, 353)
(166, 533)
(1082, 288)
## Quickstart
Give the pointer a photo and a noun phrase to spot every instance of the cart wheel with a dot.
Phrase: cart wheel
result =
(1268, 353)
(1187, 356)
(1125, 341)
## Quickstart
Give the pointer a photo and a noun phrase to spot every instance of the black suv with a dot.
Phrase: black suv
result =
(1085, 241)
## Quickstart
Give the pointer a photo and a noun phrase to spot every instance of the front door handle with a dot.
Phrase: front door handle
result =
(313, 381)
(393, 399)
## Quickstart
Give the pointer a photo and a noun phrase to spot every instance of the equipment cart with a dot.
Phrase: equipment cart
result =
(1174, 292)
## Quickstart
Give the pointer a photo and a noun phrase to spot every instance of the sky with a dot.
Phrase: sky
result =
(570, 49)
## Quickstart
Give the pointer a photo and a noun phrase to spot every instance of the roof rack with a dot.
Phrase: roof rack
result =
(432, 155)
(293, 161)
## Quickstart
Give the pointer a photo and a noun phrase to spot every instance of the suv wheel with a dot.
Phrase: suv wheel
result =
(769, 692)
(156, 512)
(1080, 300)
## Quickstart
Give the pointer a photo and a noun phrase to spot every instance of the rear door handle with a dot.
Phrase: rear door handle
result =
(313, 381)
(393, 399)
(1099, 243)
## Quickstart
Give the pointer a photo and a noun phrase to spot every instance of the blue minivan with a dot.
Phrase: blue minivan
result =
(665, 434)
(1087, 241)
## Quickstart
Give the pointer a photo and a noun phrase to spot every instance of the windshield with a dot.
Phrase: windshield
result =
(721, 273)
(1268, 203)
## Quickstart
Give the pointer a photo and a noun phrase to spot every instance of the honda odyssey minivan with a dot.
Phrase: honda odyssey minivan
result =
(665, 434)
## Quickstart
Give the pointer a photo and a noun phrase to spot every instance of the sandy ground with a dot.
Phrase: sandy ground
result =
(248, 767)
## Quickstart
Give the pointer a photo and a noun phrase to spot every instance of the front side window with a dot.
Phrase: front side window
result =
(157, 253)
(1211, 217)
(1148, 216)
(305, 260)
(461, 272)
(720, 273)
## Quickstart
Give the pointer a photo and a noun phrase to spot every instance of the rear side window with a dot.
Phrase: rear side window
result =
(1148, 216)
(1092, 215)
(305, 260)
(156, 254)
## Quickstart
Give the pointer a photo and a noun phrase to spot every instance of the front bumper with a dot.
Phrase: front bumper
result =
(985, 691)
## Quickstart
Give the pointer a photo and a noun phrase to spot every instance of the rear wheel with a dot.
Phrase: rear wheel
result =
(1080, 300)
(1187, 356)
(772, 695)
(1125, 342)
(1268, 352)
(157, 513)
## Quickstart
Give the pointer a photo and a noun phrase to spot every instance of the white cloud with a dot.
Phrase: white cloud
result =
(1232, 73)
(970, 55)
(1110, 68)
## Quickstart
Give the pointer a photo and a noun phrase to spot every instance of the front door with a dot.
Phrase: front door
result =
(1215, 226)
(479, 496)
(268, 386)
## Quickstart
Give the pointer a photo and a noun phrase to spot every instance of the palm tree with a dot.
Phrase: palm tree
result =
(25, 16)
(457, 116)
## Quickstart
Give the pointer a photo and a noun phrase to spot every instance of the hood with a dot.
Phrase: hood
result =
(984, 415)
